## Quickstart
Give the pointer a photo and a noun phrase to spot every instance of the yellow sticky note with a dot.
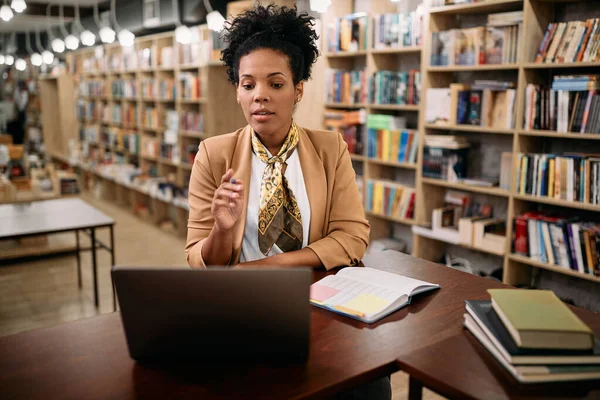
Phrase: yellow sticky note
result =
(367, 303)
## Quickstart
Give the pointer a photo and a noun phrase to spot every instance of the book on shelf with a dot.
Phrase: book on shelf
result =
(366, 294)
(538, 319)
(392, 87)
(146, 57)
(437, 109)
(351, 124)
(348, 33)
(390, 198)
(388, 140)
(151, 117)
(445, 157)
(569, 177)
(572, 104)
(192, 121)
(558, 240)
(167, 89)
(346, 87)
(569, 42)
(167, 56)
(527, 365)
(490, 234)
(398, 30)
(190, 86)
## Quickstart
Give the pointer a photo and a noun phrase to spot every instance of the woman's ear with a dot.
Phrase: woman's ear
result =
(299, 92)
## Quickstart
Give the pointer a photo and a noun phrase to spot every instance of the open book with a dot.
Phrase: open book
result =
(366, 294)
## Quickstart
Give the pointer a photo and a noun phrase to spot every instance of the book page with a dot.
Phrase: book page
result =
(393, 282)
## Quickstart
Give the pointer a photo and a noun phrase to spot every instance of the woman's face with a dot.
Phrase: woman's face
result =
(267, 93)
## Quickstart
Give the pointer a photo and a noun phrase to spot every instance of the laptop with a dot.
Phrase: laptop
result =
(217, 313)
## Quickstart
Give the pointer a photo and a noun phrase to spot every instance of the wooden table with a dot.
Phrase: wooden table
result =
(56, 216)
(89, 358)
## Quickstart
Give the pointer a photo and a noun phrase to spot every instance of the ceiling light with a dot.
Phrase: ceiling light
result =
(18, 5)
(1, 59)
(20, 64)
(87, 38)
(71, 42)
(320, 6)
(107, 35)
(58, 45)
(6, 13)
(47, 57)
(215, 21)
(183, 34)
(126, 38)
(36, 59)
(9, 60)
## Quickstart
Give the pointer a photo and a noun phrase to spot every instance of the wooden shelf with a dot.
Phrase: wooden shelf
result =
(494, 191)
(428, 233)
(346, 54)
(149, 158)
(192, 101)
(570, 135)
(149, 129)
(188, 67)
(398, 50)
(554, 268)
(341, 105)
(149, 99)
(474, 68)
(391, 219)
(470, 128)
(555, 202)
(166, 161)
(192, 134)
(395, 107)
(357, 157)
(166, 69)
(391, 163)
(484, 7)
(186, 166)
(561, 65)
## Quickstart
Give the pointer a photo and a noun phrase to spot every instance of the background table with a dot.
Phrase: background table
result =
(56, 216)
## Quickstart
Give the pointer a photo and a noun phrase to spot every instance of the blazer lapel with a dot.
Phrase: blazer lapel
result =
(241, 163)
(315, 182)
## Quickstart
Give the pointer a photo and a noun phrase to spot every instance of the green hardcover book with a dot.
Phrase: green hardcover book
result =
(537, 319)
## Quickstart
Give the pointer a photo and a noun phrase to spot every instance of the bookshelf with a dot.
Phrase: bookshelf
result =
(537, 14)
(161, 79)
(372, 59)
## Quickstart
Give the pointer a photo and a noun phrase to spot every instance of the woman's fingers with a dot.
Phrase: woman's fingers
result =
(233, 187)
(227, 176)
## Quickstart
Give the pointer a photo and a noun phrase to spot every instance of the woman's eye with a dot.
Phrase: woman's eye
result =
(248, 86)
(278, 85)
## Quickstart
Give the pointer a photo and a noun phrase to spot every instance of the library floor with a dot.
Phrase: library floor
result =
(43, 292)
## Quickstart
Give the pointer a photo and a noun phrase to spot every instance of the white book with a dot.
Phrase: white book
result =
(577, 243)
(366, 294)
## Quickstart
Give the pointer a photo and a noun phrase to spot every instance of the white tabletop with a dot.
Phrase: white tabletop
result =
(49, 216)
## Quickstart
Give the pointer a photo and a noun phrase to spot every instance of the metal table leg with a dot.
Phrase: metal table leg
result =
(94, 267)
(112, 263)
(415, 389)
(78, 257)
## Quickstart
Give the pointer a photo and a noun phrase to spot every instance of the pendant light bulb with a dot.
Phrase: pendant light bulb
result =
(36, 59)
(107, 35)
(58, 46)
(71, 42)
(320, 6)
(2, 59)
(87, 38)
(183, 34)
(18, 5)
(47, 57)
(9, 60)
(215, 21)
(6, 13)
(126, 38)
(20, 64)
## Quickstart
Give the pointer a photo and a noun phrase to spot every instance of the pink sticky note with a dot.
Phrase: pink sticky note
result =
(321, 292)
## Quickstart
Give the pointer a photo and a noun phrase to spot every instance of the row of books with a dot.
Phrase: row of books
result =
(169, 151)
(121, 139)
(350, 124)
(534, 336)
(390, 198)
(124, 114)
(389, 140)
(347, 87)
(91, 110)
(192, 121)
(572, 41)
(445, 157)
(190, 86)
(558, 240)
(123, 88)
(92, 88)
(190, 53)
(569, 106)
(164, 88)
(398, 30)
(497, 43)
(151, 117)
(392, 87)
(489, 104)
(571, 177)
(348, 33)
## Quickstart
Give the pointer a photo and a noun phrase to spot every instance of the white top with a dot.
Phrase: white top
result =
(293, 174)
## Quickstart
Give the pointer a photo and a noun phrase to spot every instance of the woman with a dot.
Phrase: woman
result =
(273, 193)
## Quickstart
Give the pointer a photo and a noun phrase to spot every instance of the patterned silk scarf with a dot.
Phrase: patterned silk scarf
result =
(279, 219)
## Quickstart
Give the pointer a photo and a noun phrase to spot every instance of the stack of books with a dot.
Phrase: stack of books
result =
(348, 33)
(568, 42)
(350, 124)
(398, 30)
(535, 336)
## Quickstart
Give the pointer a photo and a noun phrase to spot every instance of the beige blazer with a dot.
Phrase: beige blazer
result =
(339, 231)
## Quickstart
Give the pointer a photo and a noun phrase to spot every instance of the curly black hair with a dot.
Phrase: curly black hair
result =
(271, 27)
